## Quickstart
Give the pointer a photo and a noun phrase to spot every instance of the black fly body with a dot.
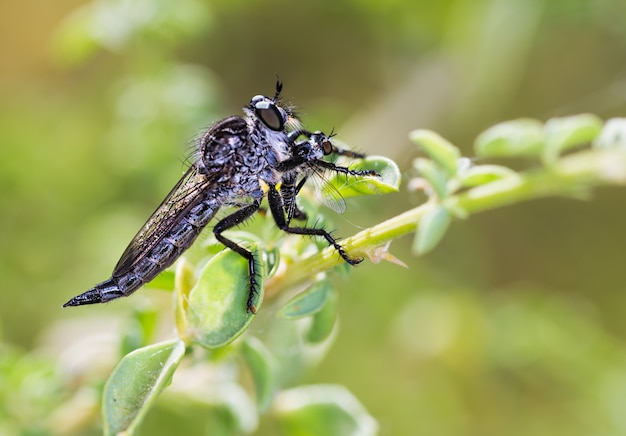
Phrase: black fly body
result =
(234, 157)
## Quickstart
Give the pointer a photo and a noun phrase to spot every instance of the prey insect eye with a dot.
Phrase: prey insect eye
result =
(323, 140)
(327, 146)
(268, 113)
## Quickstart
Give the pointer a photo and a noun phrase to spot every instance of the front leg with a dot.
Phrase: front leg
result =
(344, 170)
(278, 212)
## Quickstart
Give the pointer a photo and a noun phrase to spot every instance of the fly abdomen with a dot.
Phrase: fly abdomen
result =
(168, 249)
(102, 292)
(148, 264)
(161, 252)
(130, 282)
(182, 234)
(200, 214)
(146, 269)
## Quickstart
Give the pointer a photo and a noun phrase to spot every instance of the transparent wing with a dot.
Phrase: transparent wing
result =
(324, 191)
(187, 193)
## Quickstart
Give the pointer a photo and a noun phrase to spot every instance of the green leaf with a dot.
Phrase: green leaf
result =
(183, 284)
(433, 174)
(164, 281)
(261, 364)
(613, 134)
(432, 226)
(483, 174)
(351, 186)
(217, 308)
(390, 176)
(220, 406)
(271, 258)
(308, 302)
(135, 384)
(323, 410)
(438, 149)
(568, 132)
(522, 137)
(139, 329)
(323, 321)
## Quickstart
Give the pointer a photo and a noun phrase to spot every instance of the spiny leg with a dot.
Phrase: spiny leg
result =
(231, 221)
(348, 153)
(278, 212)
(344, 170)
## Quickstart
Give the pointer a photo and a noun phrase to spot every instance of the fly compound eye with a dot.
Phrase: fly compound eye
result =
(270, 114)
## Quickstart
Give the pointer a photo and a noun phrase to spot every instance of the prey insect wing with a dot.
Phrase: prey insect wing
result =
(324, 191)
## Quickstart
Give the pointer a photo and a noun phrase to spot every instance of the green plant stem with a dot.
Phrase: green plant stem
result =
(571, 176)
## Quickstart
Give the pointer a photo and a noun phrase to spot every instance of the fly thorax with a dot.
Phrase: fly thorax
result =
(278, 141)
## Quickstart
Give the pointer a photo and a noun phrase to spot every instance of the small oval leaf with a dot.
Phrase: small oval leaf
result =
(613, 134)
(432, 226)
(438, 149)
(139, 329)
(271, 258)
(217, 308)
(164, 281)
(183, 284)
(521, 137)
(323, 322)
(323, 410)
(388, 179)
(433, 174)
(568, 132)
(483, 174)
(135, 384)
(261, 364)
(308, 302)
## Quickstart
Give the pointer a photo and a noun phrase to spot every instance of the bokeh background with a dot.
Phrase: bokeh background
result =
(514, 325)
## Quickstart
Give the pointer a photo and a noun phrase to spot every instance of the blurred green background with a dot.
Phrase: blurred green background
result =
(513, 325)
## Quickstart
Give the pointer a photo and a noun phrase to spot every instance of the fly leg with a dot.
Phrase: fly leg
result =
(278, 212)
(344, 170)
(348, 153)
(231, 221)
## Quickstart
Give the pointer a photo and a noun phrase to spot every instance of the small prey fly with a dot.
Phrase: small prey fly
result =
(233, 159)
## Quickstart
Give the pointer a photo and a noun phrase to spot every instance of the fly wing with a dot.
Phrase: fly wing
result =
(218, 142)
(324, 191)
(187, 193)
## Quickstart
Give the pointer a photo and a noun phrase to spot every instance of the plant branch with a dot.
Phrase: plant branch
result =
(571, 176)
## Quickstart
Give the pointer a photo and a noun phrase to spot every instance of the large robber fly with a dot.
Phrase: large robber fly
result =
(232, 161)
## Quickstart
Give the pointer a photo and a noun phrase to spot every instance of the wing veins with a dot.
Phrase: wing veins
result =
(324, 190)
(185, 194)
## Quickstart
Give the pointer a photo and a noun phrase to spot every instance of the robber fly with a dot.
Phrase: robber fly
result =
(234, 158)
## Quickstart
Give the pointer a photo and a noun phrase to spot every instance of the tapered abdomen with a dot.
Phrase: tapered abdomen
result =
(147, 264)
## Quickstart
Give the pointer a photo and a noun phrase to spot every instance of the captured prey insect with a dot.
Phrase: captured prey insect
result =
(307, 156)
(234, 159)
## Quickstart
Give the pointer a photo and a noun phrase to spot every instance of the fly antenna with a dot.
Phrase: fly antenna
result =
(279, 88)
